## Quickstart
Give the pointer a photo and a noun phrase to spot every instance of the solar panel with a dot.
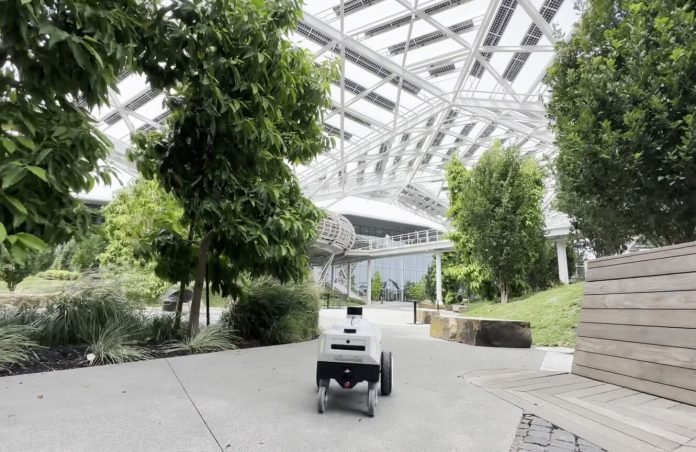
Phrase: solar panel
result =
(495, 32)
(405, 19)
(353, 6)
(548, 10)
(436, 71)
(430, 38)
(331, 130)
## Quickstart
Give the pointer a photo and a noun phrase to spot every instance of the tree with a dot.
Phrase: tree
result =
(14, 272)
(376, 286)
(496, 211)
(622, 108)
(134, 218)
(416, 290)
(58, 60)
(244, 103)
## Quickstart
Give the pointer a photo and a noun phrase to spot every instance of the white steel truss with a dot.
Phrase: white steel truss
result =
(422, 82)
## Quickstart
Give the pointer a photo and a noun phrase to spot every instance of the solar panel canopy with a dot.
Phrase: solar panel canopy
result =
(422, 82)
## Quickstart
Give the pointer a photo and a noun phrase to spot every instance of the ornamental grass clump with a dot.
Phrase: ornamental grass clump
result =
(271, 313)
(75, 315)
(15, 345)
(113, 344)
(213, 338)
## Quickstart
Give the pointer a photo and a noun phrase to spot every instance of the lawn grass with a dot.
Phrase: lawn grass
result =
(553, 314)
(33, 285)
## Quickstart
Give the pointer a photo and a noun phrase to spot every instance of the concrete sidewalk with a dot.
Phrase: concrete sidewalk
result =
(265, 399)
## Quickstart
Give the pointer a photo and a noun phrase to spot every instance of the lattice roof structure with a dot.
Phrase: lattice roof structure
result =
(422, 82)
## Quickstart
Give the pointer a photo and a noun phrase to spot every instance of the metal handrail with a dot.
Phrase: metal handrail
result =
(409, 239)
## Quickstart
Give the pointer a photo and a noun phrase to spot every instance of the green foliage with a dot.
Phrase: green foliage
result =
(246, 104)
(134, 218)
(622, 108)
(159, 329)
(114, 343)
(376, 286)
(58, 275)
(14, 272)
(52, 54)
(270, 312)
(87, 251)
(213, 338)
(416, 291)
(82, 311)
(553, 313)
(15, 345)
(496, 211)
(63, 254)
(140, 287)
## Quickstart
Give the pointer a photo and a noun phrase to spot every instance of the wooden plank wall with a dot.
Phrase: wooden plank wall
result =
(638, 322)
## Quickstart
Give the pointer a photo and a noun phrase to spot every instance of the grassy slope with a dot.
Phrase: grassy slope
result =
(552, 313)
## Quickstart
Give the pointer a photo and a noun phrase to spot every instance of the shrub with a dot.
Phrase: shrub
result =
(15, 345)
(64, 254)
(62, 275)
(87, 251)
(23, 315)
(75, 315)
(142, 287)
(213, 338)
(115, 343)
(273, 313)
(158, 329)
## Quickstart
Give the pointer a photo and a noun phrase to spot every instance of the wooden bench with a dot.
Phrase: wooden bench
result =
(638, 322)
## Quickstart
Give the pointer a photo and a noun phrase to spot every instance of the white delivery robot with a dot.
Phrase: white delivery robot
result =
(351, 352)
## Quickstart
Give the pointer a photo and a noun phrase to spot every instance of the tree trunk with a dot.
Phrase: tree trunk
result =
(179, 305)
(182, 291)
(503, 293)
(194, 316)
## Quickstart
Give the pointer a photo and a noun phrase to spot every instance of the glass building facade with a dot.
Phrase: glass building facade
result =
(396, 272)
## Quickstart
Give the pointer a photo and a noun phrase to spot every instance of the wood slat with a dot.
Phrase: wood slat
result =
(676, 337)
(685, 263)
(670, 356)
(643, 317)
(668, 375)
(650, 387)
(648, 300)
(633, 440)
(663, 283)
(587, 429)
(664, 251)
(640, 426)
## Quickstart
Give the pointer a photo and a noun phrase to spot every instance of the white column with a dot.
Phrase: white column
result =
(562, 261)
(438, 278)
(350, 279)
(368, 295)
(403, 287)
(333, 277)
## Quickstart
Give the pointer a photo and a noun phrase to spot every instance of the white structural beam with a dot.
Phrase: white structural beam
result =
(438, 278)
(562, 261)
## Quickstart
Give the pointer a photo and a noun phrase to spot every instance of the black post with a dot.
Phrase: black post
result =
(207, 296)
(414, 311)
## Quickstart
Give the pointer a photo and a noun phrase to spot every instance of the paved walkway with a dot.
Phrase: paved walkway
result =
(612, 417)
(265, 399)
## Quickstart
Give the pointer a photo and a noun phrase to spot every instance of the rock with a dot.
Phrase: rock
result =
(531, 447)
(423, 316)
(541, 422)
(481, 331)
(562, 435)
(559, 446)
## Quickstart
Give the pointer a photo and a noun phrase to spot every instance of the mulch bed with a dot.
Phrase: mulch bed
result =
(73, 357)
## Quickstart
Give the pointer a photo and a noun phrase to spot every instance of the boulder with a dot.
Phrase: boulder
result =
(481, 331)
(423, 316)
